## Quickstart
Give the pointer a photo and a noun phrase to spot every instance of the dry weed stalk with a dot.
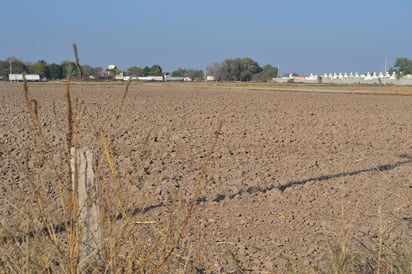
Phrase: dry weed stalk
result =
(354, 255)
(192, 204)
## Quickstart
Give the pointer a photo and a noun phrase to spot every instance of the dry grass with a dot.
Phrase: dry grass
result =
(348, 254)
(45, 234)
(359, 88)
(343, 88)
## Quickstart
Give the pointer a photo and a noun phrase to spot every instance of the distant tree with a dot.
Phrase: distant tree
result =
(53, 72)
(146, 71)
(38, 68)
(246, 76)
(18, 66)
(190, 73)
(403, 66)
(268, 72)
(69, 68)
(230, 70)
(89, 70)
(133, 70)
(156, 70)
(239, 69)
(195, 74)
(235, 69)
(180, 72)
(250, 65)
(214, 69)
(4, 69)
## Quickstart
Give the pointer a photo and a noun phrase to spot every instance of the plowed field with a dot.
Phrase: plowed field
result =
(297, 179)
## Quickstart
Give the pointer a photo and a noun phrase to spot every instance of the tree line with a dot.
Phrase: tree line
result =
(241, 69)
(237, 69)
(60, 71)
(47, 71)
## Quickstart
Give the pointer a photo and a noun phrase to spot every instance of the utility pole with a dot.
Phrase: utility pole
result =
(11, 68)
(278, 71)
(278, 74)
(205, 74)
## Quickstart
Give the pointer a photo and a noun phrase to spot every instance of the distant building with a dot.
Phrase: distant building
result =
(119, 76)
(19, 77)
(351, 78)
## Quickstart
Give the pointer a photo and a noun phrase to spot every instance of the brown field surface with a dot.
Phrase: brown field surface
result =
(299, 180)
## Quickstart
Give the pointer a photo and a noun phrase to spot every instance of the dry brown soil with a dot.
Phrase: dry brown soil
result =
(294, 176)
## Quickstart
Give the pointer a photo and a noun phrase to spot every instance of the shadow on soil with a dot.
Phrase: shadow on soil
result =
(379, 168)
(282, 188)
(58, 228)
(62, 227)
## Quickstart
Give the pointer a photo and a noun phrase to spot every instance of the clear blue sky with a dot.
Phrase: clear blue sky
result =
(300, 36)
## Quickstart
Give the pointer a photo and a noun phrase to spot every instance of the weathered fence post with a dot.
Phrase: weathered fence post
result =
(88, 206)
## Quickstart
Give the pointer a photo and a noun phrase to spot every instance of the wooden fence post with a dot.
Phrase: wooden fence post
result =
(88, 206)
